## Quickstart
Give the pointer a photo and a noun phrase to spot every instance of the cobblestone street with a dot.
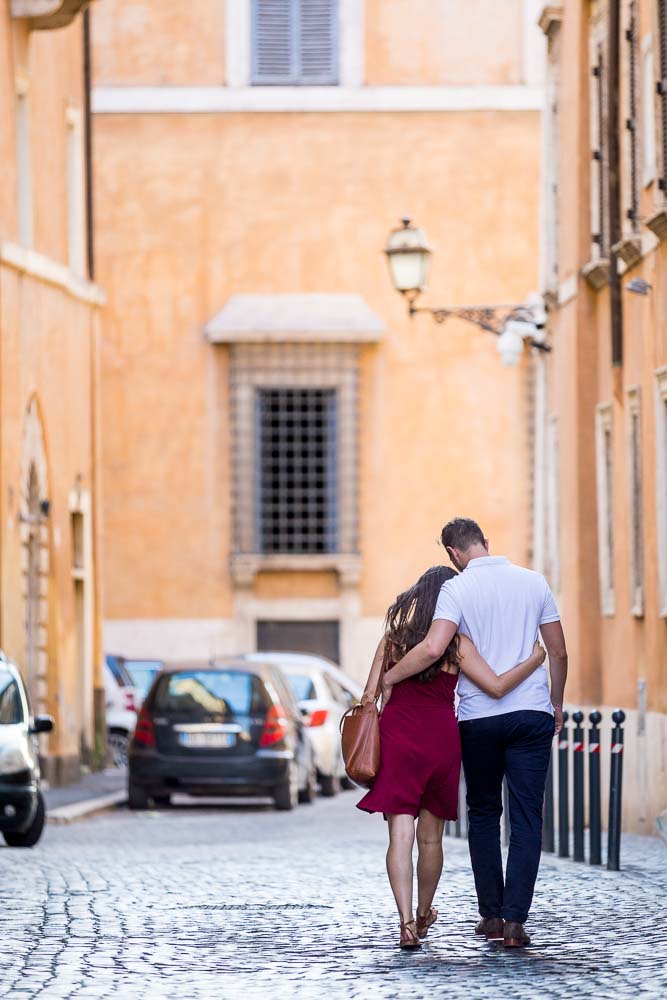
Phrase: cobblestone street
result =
(245, 902)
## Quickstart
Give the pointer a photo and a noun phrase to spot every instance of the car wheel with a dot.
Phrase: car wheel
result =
(309, 793)
(347, 784)
(329, 785)
(162, 800)
(29, 837)
(118, 743)
(286, 795)
(137, 797)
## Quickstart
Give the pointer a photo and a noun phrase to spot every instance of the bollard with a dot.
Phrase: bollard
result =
(615, 793)
(548, 838)
(594, 808)
(563, 791)
(578, 786)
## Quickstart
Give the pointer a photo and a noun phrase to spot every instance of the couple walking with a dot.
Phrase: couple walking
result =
(476, 632)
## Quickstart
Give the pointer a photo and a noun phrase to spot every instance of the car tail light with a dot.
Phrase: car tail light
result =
(128, 699)
(144, 734)
(318, 717)
(274, 726)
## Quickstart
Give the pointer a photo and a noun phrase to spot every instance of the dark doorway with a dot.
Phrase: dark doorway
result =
(321, 638)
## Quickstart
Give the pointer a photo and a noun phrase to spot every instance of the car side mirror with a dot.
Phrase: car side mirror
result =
(42, 724)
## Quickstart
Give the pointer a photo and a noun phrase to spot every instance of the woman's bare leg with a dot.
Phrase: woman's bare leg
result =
(399, 862)
(429, 865)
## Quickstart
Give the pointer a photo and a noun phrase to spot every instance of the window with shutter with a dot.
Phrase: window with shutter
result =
(295, 42)
(600, 235)
(662, 90)
(631, 122)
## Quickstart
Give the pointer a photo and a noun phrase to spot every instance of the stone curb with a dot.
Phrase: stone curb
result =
(87, 807)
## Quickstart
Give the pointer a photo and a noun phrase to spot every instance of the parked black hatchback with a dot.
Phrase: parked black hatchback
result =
(220, 728)
(22, 812)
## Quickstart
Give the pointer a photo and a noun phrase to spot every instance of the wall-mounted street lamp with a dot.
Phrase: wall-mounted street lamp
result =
(409, 257)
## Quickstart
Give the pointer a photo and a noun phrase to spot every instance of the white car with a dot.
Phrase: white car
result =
(121, 701)
(324, 693)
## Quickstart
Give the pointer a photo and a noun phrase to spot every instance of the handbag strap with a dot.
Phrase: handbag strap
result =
(388, 649)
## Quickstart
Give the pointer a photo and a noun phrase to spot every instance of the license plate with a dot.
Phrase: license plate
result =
(207, 740)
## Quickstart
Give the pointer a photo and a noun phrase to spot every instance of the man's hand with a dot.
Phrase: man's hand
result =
(558, 713)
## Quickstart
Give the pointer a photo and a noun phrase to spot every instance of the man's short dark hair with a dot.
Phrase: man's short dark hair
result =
(461, 533)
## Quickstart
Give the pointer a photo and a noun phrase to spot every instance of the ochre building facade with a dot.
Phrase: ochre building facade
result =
(281, 443)
(49, 329)
(602, 530)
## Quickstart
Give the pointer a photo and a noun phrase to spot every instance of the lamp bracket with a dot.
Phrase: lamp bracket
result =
(491, 318)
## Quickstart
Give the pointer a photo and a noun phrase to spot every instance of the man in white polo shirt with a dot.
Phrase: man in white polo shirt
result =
(500, 607)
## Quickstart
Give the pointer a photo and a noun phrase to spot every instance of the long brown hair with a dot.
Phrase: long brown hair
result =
(409, 619)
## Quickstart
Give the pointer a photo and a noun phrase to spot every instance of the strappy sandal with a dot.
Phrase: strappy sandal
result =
(426, 922)
(409, 940)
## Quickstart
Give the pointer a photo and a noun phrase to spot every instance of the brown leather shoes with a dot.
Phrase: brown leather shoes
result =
(491, 928)
(515, 936)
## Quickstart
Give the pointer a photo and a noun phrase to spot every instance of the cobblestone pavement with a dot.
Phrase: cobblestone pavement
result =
(203, 902)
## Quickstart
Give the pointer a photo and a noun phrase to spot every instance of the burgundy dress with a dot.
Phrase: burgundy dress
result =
(420, 751)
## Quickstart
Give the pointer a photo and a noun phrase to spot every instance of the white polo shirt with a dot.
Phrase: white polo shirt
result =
(500, 607)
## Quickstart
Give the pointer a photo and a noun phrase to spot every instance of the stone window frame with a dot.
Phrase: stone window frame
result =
(553, 505)
(76, 209)
(633, 415)
(604, 463)
(596, 270)
(661, 483)
(326, 366)
(551, 24)
(24, 178)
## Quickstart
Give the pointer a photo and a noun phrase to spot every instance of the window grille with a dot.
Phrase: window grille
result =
(295, 42)
(296, 470)
(631, 122)
(662, 90)
(294, 415)
(600, 155)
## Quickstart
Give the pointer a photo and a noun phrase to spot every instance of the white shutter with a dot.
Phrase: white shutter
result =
(295, 42)
(273, 48)
(318, 41)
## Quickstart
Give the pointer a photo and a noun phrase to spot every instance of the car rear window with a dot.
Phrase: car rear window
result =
(11, 709)
(205, 693)
(303, 687)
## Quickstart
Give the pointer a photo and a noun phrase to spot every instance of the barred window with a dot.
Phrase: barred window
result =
(296, 474)
(294, 412)
(295, 42)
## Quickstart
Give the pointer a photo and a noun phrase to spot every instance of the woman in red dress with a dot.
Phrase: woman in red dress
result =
(420, 748)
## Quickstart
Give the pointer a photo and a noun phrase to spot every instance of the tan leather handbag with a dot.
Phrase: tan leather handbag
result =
(360, 736)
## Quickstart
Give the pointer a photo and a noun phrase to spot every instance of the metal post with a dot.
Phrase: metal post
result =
(578, 785)
(615, 793)
(548, 836)
(563, 791)
(594, 809)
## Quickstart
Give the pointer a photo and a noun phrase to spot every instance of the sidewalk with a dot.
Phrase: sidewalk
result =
(93, 793)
